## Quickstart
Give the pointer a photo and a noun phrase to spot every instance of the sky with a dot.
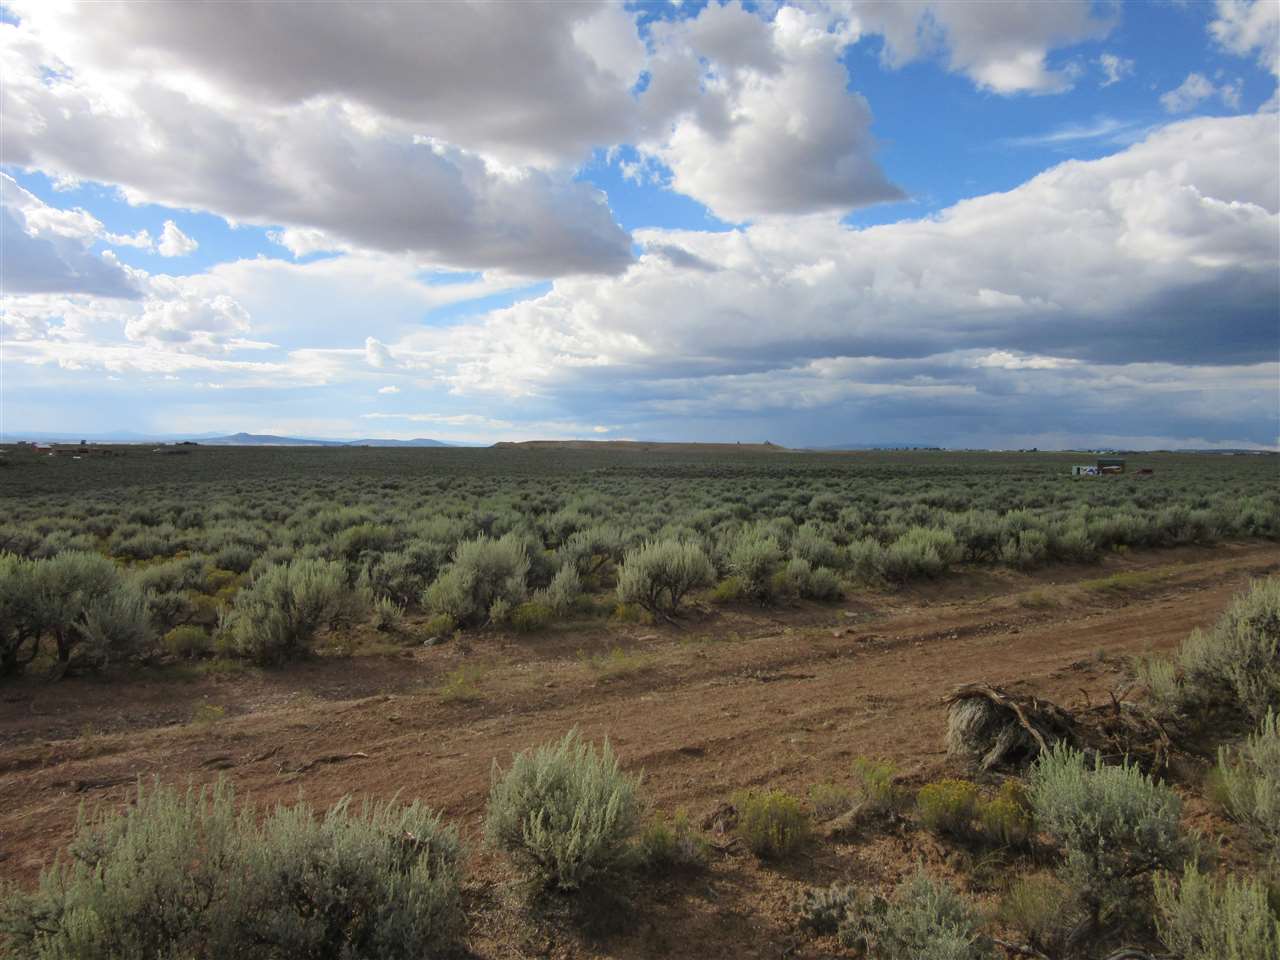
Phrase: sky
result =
(958, 224)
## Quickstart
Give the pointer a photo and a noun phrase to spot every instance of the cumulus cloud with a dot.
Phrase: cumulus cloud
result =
(389, 390)
(775, 129)
(47, 250)
(1195, 90)
(390, 128)
(141, 239)
(1001, 47)
(1248, 28)
(184, 320)
(174, 243)
(1154, 274)
(185, 126)
(544, 79)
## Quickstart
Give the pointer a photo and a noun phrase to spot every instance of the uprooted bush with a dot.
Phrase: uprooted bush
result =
(186, 875)
(277, 616)
(564, 813)
(923, 920)
(483, 571)
(1199, 920)
(659, 575)
(1114, 825)
(1248, 781)
(989, 727)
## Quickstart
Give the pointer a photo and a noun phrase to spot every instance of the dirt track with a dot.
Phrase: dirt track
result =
(731, 700)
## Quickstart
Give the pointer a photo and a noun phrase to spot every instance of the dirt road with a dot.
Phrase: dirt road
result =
(731, 700)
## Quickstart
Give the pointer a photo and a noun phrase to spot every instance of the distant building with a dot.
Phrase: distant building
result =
(1111, 465)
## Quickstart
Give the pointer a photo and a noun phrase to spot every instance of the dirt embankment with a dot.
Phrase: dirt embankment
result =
(732, 699)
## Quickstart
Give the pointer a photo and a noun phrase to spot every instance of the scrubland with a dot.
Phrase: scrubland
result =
(532, 702)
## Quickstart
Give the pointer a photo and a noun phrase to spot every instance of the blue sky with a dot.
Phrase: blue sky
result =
(956, 224)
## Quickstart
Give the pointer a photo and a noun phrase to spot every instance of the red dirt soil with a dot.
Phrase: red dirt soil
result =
(733, 698)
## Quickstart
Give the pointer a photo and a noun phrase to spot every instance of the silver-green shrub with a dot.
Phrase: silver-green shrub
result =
(822, 584)
(1199, 920)
(564, 590)
(924, 920)
(1239, 657)
(19, 625)
(483, 570)
(754, 559)
(181, 875)
(1249, 780)
(1113, 823)
(387, 614)
(84, 603)
(277, 616)
(167, 587)
(659, 575)
(809, 543)
(921, 552)
(564, 812)
(825, 909)
(591, 548)
(865, 559)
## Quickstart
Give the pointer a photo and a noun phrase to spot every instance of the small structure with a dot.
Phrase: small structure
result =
(1084, 471)
(1110, 465)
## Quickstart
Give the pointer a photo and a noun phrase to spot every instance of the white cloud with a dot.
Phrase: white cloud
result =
(389, 390)
(1246, 28)
(1137, 256)
(775, 129)
(141, 239)
(179, 317)
(1096, 129)
(473, 168)
(480, 425)
(1144, 260)
(1114, 68)
(175, 243)
(47, 250)
(332, 146)
(1001, 47)
(1195, 90)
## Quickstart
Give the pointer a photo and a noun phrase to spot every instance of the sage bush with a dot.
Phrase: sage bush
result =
(564, 813)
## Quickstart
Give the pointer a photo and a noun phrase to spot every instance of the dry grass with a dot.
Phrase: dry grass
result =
(1120, 583)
